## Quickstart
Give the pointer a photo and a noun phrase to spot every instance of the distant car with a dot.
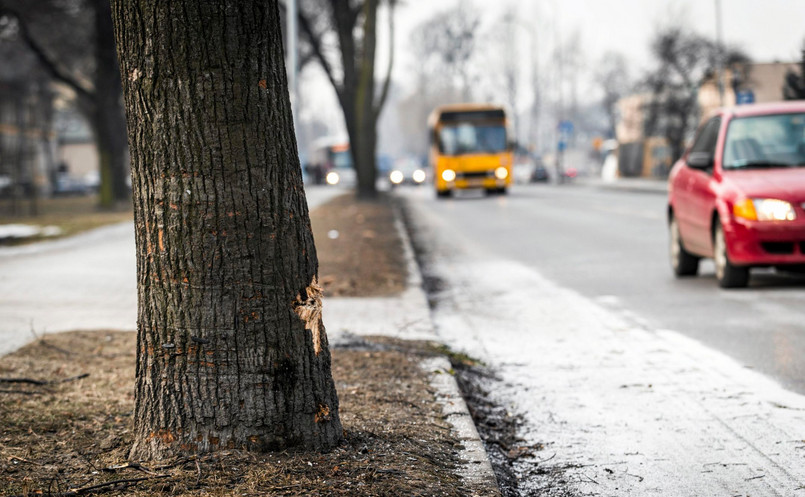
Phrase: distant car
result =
(738, 194)
(68, 185)
(540, 173)
(407, 171)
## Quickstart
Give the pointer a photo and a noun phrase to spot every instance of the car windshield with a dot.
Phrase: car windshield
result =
(472, 139)
(765, 142)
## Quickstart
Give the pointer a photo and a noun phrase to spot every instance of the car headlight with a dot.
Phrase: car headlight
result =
(332, 178)
(396, 177)
(419, 176)
(448, 175)
(764, 209)
(501, 173)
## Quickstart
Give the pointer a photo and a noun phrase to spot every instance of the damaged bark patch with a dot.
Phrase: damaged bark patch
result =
(308, 308)
(323, 414)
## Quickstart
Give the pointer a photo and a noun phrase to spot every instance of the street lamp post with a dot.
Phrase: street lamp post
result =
(720, 53)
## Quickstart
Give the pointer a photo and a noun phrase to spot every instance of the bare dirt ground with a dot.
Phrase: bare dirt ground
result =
(360, 253)
(66, 404)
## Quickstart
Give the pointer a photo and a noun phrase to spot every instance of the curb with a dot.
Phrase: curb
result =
(477, 469)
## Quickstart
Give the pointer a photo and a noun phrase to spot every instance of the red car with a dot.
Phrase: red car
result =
(738, 194)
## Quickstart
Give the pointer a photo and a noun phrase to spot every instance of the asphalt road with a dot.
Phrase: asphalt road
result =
(611, 246)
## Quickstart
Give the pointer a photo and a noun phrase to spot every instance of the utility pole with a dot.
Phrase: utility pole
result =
(720, 53)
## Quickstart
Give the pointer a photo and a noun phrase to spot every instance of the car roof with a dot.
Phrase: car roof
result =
(765, 109)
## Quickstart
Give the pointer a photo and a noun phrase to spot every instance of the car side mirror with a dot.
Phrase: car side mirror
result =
(700, 160)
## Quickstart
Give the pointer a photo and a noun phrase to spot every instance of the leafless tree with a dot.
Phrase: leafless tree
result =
(74, 43)
(612, 75)
(443, 47)
(26, 108)
(684, 60)
(446, 45)
(342, 35)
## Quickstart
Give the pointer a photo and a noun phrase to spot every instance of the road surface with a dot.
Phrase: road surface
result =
(635, 383)
(611, 246)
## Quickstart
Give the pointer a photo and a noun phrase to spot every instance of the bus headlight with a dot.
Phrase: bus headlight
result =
(449, 175)
(396, 177)
(332, 178)
(501, 173)
(419, 176)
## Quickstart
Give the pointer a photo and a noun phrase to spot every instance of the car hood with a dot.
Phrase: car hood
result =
(782, 183)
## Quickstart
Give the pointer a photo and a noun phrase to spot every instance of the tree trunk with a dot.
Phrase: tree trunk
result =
(107, 117)
(366, 124)
(231, 348)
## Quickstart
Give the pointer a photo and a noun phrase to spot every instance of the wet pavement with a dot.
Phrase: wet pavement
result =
(616, 405)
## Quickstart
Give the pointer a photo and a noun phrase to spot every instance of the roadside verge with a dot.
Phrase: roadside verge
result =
(67, 431)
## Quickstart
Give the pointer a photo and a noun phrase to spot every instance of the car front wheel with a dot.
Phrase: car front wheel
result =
(728, 275)
(683, 262)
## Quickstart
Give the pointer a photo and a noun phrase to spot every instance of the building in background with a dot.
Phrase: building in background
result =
(78, 164)
(641, 155)
(745, 84)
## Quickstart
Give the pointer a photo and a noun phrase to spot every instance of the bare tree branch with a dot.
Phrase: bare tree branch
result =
(48, 63)
(316, 44)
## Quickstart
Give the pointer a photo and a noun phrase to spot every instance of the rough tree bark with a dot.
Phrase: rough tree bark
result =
(231, 348)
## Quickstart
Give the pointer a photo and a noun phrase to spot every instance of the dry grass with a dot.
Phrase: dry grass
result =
(72, 215)
(366, 258)
(64, 436)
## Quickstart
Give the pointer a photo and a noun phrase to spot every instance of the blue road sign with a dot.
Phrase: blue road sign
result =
(565, 127)
(745, 97)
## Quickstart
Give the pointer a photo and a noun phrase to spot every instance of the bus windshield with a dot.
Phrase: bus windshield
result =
(472, 139)
(342, 159)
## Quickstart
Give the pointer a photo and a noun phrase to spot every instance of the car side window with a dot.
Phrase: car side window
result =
(707, 138)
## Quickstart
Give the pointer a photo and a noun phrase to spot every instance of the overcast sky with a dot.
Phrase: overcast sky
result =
(768, 30)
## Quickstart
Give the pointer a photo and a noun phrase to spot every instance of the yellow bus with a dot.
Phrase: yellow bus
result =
(469, 148)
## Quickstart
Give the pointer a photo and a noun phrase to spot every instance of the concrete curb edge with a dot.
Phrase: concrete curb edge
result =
(477, 470)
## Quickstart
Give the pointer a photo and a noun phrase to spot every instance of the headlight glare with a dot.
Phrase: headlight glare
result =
(332, 178)
(419, 176)
(449, 175)
(501, 173)
(396, 177)
(773, 210)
